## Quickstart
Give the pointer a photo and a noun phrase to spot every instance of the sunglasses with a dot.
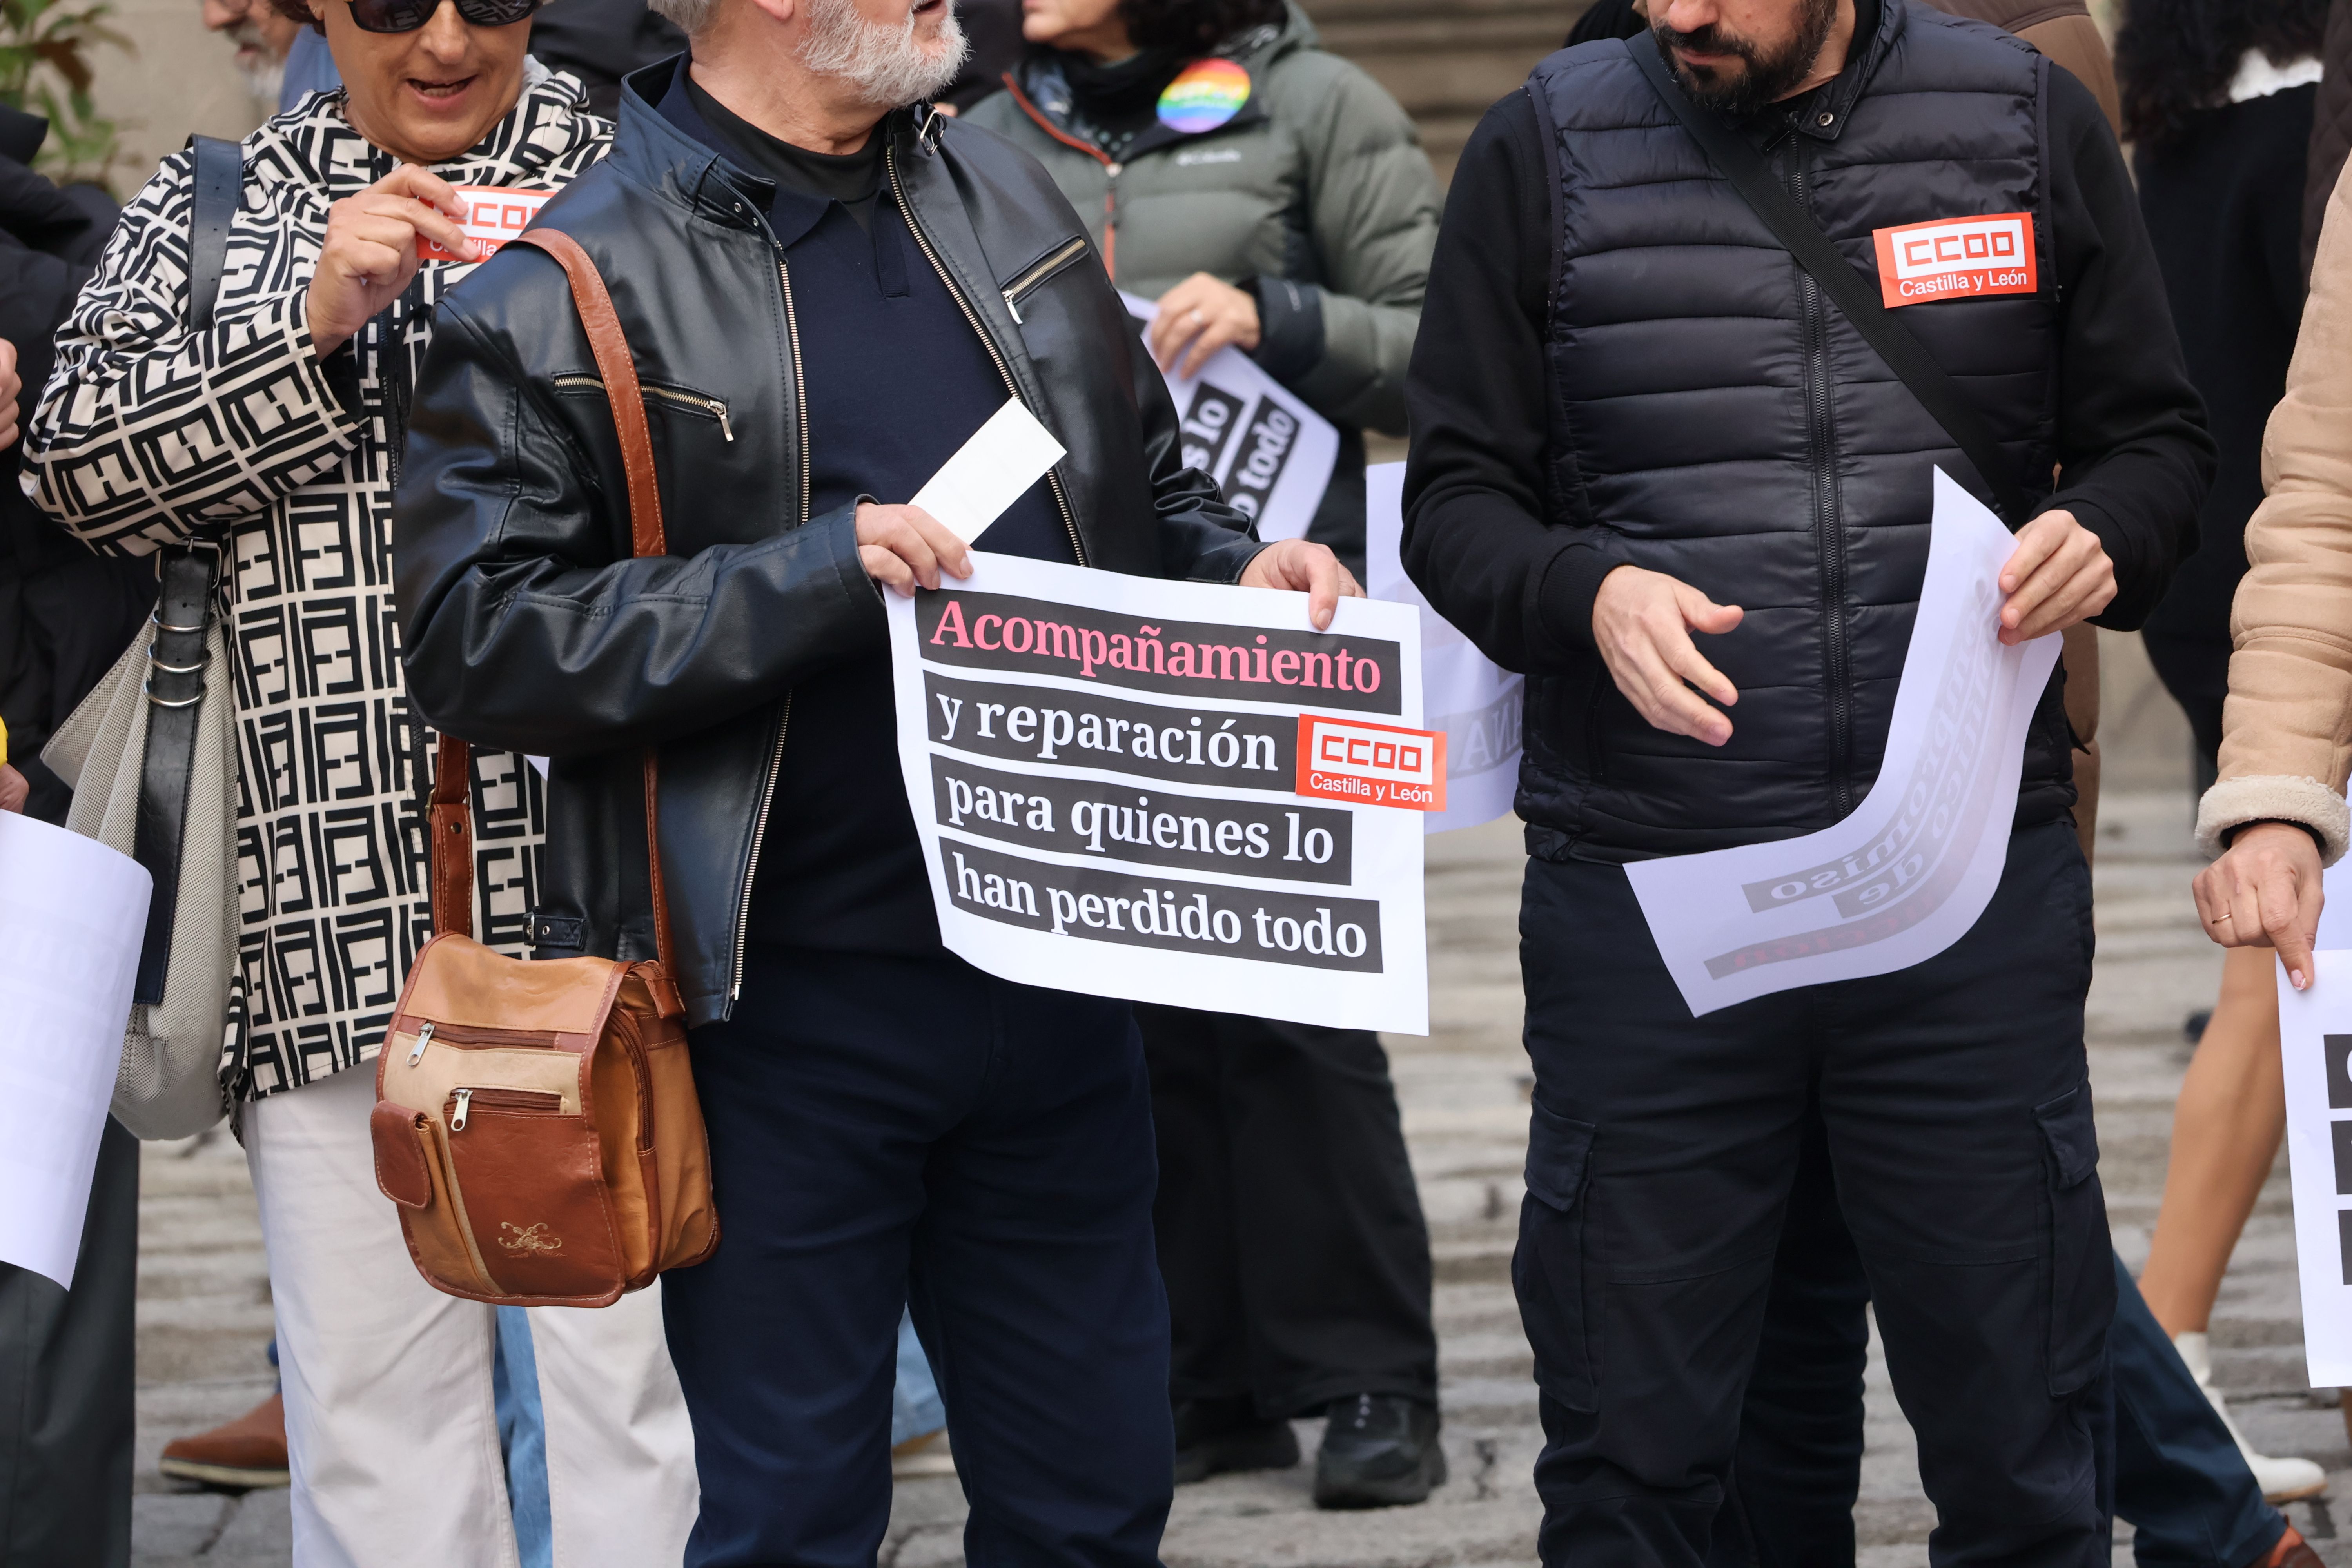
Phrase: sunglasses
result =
(407, 16)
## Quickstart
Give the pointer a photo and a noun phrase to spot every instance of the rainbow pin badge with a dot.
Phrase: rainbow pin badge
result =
(1204, 96)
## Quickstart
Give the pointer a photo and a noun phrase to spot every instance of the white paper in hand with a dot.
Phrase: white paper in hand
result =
(989, 472)
(1270, 454)
(72, 914)
(1908, 873)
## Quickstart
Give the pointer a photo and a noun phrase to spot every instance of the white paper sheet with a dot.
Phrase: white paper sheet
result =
(1475, 700)
(989, 473)
(1057, 793)
(72, 913)
(1907, 874)
(1270, 454)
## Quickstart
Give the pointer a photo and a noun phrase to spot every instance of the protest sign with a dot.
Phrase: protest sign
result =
(1475, 701)
(1906, 874)
(1171, 792)
(493, 216)
(72, 915)
(1270, 454)
(2315, 1054)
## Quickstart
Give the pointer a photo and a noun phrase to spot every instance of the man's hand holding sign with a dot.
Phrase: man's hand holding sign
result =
(906, 546)
(1141, 766)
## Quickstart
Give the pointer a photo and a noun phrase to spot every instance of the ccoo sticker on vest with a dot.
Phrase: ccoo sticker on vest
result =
(1956, 258)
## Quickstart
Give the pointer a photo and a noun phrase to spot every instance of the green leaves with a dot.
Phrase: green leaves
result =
(45, 69)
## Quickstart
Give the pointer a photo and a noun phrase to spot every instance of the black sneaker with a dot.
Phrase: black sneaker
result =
(1378, 1450)
(1217, 1435)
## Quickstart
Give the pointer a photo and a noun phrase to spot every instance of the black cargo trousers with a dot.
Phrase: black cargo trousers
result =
(1956, 1106)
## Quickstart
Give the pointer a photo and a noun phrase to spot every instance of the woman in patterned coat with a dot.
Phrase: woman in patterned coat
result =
(277, 431)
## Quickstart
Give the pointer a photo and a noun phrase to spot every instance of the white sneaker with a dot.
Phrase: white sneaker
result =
(2281, 1479)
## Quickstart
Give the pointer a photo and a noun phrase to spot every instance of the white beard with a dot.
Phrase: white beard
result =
(264, 74)
(887, 65)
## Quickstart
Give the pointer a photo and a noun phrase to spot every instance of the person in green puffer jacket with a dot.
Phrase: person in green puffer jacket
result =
(1274, 199)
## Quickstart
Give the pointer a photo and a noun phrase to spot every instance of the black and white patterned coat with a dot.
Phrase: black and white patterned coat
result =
(149, 433)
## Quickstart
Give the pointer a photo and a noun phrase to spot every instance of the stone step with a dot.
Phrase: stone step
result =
(1445, 60)
(1485, 1259)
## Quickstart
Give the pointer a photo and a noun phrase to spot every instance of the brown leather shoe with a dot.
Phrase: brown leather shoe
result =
(2292, 1551)
(246, 1453)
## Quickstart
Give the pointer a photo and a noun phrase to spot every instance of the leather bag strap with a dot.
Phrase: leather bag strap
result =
(220, 185)
(175, 695)
(453, 838)
(1854, 295)
(618, 368)
(452, 886)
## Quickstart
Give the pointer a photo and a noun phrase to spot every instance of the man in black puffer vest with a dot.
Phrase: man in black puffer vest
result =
(1634, 414)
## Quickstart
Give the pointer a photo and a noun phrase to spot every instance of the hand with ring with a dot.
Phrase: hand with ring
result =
(1197, 318)
(2265, 892)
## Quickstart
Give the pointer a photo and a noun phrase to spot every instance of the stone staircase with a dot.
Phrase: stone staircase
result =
(1445, 60)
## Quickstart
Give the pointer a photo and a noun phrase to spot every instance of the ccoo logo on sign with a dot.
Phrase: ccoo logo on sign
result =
(1373, 764)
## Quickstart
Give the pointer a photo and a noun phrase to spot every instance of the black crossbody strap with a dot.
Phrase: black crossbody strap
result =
(220, 185)
(1852, 294)
(176, 696)
(175, 660)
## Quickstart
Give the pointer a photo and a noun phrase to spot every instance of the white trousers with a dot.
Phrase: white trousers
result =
(388, 1419)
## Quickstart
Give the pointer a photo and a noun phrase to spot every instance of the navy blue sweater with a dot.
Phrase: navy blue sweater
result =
(895, 380)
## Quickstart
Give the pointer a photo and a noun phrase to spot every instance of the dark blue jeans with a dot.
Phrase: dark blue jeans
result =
(1956, 1100)
(889, 1131)
(2174, 1474)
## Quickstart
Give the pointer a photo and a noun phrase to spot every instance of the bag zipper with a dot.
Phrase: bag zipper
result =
(463, 1035)
(1037, 276)
(915, 226)
(692, 401)
(514, 1101)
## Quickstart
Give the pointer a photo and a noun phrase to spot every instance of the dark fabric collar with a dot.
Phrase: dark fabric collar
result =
(1132, 87)
(791, 214)
(1876, 24)
(1043, 91)
(677, 165)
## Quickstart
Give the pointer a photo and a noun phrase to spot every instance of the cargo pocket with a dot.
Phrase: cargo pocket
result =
(1548, 1269)
(2077, 1258)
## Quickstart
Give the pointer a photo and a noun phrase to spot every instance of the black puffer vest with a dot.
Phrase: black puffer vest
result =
(1728, 426)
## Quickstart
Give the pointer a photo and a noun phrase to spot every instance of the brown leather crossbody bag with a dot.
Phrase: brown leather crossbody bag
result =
(536, 1124)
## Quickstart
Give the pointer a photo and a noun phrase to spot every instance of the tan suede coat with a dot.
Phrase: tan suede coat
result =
(2286, 743)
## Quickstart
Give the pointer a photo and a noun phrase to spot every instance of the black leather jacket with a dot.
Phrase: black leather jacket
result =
(525, 624)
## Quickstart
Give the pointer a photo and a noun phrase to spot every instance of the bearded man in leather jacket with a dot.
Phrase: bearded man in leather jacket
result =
(825, 293)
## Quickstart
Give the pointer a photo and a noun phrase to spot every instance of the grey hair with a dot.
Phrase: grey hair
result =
(692, 17)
